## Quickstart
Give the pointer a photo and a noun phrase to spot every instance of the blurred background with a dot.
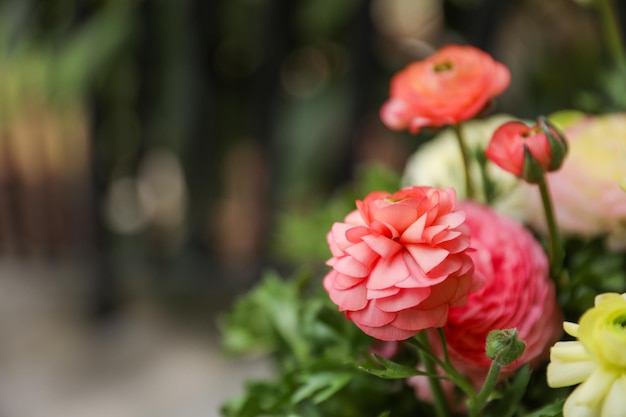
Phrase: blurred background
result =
(157, 155)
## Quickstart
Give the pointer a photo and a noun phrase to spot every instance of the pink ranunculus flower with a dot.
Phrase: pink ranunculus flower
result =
(400, 261)
(516, 292)
(509, 142)
(451, 86)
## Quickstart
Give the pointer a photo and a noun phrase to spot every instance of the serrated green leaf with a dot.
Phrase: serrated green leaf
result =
(265, 318)
(321, 386)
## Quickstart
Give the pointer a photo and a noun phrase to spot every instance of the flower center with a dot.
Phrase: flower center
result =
(620, 321)
(443, 66)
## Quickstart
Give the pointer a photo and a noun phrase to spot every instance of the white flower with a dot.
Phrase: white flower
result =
(438, 163)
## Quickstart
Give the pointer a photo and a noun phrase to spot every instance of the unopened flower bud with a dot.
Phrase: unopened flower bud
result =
(527, 151)
(504, 347)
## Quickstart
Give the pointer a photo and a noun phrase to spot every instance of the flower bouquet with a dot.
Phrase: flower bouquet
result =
(488, 281)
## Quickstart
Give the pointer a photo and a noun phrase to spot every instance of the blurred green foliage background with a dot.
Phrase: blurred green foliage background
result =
(181, 146)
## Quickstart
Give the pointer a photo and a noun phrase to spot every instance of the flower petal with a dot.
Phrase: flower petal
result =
(427, 257)
(350, 266)
(350, 299)
(387, 272)
(594, 389)
(571, 351)
(387, 292)
(416, 319)
(398, 215)
(563, 374)
(371, 316)
(382, 245)
(388, 333)
(338, 235)
(408, 298)
(362, 253)
(614, 402)
(414, 233)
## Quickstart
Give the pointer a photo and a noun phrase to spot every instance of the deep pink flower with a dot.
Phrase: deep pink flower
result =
(516, 292)
(446, 88)
(400, 261)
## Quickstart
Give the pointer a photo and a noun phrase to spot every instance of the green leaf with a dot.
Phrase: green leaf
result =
(265, 318)
(323, 385)
(390, 369)
(551, 410)
(260, 398)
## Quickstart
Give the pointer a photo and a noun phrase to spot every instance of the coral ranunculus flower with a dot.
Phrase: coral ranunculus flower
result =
(596, 361)
(446, 88)
(400, 261)
(516, 292)
(506, 148)
(523, 150)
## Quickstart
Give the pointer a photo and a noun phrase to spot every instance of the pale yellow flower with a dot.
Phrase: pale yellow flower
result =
(596, 361)
(588, 201)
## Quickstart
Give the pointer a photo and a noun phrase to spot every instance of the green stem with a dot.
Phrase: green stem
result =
(453, 375)
(555, 251)
(612, 32)
(444, 345)
(440, 402)
(469, 184)
(477, 404)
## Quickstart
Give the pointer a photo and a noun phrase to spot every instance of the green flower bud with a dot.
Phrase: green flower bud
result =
(557, 142)
(504, 347)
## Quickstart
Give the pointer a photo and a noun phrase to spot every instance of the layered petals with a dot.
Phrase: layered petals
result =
(515, 291)
(448, 87)
(401, 262)
(595, 360)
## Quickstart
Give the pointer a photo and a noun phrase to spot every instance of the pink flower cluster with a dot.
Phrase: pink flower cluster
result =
(400, 262)
(515, 292)
(415, 260)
